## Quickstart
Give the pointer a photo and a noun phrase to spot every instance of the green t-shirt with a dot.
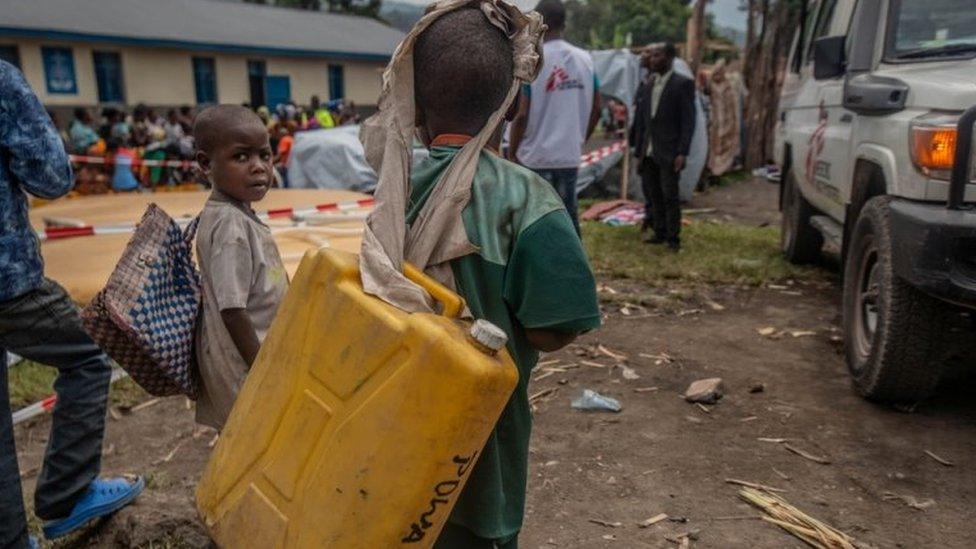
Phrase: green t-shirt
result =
(530, 271)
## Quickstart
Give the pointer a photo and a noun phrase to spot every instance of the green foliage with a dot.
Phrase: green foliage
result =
(712, 253)
(601, 24)
(368, 8)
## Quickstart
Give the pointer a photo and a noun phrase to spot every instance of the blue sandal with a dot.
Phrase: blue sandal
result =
(104, 497)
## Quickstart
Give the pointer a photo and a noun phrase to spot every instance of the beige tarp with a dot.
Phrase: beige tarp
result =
(724, 124)
(83, 264)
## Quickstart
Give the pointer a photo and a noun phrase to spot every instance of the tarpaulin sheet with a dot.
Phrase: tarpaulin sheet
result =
(698, 154)
(83, 264)
(333, 159)
(619, 73)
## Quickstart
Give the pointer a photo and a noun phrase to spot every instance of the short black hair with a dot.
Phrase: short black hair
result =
(553, 14)
(669, 50)
(214, 121)
(81, 113)
(462, 67)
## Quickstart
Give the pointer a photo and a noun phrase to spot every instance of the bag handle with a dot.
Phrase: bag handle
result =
(190, 232)
(452, 303)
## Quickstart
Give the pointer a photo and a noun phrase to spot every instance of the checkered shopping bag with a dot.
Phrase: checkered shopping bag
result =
(145, 317)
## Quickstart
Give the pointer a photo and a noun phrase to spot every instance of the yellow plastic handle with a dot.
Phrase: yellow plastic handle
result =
(453, 304)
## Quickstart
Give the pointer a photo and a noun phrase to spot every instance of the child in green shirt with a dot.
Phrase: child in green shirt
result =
(529, 275)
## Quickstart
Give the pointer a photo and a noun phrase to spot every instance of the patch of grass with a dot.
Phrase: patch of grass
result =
(30, 382)
(711, 254)
(733, 177)
(126, 392)
(159, 480)
(168, 542)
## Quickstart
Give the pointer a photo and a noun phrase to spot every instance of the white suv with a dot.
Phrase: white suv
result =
(875, 141)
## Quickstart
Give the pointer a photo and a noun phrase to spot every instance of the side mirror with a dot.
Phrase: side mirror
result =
(828, 57)
(873, 95)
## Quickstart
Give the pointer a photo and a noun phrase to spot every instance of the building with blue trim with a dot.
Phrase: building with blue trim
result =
(190, 52)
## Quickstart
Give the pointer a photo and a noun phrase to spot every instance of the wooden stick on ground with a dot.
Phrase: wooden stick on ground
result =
(943, 461)
(755, 485)
(542, 393)
(818, 459)
(145, 404)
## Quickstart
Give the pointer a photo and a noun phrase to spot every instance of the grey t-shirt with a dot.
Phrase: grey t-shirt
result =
(240, 268)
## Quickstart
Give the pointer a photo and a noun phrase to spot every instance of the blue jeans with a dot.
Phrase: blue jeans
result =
(564, 181)
(43, 325)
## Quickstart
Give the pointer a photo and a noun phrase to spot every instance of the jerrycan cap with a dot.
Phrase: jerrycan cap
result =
(488, 334)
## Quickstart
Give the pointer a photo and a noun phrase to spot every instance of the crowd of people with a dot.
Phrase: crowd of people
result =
(110, 151)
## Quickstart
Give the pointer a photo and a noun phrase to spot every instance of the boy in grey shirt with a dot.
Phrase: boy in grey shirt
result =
(241, 272)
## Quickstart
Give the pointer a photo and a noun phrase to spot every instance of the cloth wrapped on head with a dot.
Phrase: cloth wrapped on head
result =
(437, 235)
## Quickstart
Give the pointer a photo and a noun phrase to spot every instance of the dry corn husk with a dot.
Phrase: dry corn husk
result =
(815, 533)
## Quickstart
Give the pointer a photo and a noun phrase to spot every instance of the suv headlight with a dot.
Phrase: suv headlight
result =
(933, 144)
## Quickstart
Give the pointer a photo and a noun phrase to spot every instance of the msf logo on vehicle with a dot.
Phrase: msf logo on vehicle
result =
(559, 80)
(441, 497)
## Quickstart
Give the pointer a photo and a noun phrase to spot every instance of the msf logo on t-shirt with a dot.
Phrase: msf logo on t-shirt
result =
(559, 79)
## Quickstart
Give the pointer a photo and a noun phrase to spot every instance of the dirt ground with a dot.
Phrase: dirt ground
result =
(661, 454)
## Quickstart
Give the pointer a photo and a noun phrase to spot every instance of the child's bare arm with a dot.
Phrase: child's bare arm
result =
(242, 333)
(549, 340)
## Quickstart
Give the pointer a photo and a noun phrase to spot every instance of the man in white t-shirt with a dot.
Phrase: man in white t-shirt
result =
(558, 112)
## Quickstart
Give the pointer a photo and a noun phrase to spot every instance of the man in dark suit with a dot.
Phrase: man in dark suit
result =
(661, 135)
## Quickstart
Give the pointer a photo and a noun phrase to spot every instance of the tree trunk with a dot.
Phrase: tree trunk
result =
(696, 36)
(767, 69)
(750, 39)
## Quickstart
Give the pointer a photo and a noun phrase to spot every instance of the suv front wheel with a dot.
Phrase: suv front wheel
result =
(893, 333)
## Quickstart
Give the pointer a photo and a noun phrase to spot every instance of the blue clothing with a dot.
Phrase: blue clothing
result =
(32, 160)
(82, 136)
(122, 178)
(564, 181)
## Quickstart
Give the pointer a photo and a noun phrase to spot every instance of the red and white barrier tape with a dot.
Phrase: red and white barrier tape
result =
(595, 156)
(333, 206)
(59, 233)
(135, 162)
(46, 405)
(585, 160)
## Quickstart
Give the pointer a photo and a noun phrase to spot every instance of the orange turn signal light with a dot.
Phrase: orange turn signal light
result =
(934, 148)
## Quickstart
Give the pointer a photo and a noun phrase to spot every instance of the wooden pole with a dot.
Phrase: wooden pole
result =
(625, 175)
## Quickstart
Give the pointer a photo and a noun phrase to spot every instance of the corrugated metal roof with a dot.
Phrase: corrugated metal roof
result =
(201, 24)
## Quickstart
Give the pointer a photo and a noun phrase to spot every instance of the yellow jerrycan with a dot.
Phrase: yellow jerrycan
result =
(359, 423)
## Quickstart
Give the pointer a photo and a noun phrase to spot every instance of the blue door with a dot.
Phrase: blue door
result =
(337, 84)
(205, 80)
(108, 76)
(279, 90)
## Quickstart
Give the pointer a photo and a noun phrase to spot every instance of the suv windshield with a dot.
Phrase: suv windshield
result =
(932, 28)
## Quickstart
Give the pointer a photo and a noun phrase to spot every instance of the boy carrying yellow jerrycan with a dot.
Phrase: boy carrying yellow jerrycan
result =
(359, 422)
